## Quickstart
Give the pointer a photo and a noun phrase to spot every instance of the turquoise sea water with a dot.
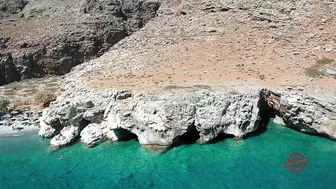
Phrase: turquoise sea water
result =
(257, 162)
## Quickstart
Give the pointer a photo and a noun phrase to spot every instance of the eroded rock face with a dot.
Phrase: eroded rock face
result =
(157, 120)
(220, 113)
(303, 112)
(160, 118)
(66, 117)
(8, 71)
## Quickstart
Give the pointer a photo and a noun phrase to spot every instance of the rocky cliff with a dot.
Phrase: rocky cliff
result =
(50, 37)
(161, 120)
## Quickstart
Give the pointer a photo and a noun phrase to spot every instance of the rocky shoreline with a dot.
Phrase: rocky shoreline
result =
(17, 122)
(161, 120)
(196, 71)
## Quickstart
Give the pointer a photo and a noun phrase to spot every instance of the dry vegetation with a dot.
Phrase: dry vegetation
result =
(317, 70)
(4, 103)
(33, 92)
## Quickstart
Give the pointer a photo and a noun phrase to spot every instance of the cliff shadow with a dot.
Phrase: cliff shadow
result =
(262, 128)
(188, 138)
(125, 135)
(221, 137)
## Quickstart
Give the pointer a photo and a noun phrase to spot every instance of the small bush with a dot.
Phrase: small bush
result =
(45, 97)
(324, 61)
(4, 103)
(315, 70)
(233, 92)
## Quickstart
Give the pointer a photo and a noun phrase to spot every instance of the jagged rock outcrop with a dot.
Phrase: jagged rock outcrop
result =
(221, 113)
(157, 120)
(77, 31)
(72, 112)
(8, 71)
(92, 134)
(302, 112)
(67, 136)
(160, 120)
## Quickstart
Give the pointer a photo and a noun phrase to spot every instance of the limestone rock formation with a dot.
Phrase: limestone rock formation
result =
(65, 137)
(92, 134)
(72, 112)
(157, 120)
(303, 112)
(220, 113)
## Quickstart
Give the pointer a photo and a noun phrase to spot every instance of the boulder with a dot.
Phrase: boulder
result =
(278, 120)
(67, 136)
(46, 131)
(331, 72)
(92, 134)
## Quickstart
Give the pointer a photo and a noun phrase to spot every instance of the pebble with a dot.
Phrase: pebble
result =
(331, 72)
(328, 48)
(18, 120)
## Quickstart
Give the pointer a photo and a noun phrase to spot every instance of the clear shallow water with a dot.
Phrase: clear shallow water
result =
(257, 162)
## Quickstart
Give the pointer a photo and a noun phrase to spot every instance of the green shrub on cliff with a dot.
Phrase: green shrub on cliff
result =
(4, 103)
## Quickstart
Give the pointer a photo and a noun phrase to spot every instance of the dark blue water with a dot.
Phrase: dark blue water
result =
(257, 162)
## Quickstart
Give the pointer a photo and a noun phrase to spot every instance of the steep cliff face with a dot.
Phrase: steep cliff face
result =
(8, 72)
(51, 37)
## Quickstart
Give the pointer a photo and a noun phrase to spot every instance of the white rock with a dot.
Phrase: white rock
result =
(46, 131)
(331, 72)
(65, 137)
(328, 47)
(278, 120)
(92, 134)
